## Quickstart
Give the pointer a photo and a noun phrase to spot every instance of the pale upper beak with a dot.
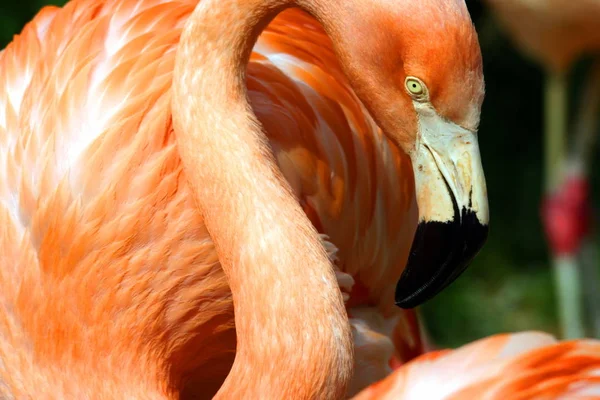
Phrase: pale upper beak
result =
(453, 207)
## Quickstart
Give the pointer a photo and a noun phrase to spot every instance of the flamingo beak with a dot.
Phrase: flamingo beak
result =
(453, 208)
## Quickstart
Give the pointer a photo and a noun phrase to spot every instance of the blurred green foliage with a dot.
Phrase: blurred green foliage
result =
(14, 15)
(509, 286)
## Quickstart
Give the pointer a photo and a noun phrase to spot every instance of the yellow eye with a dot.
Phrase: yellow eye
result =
(416, 88)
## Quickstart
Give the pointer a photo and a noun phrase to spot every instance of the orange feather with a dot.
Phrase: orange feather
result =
(527, 365)
(108, 272)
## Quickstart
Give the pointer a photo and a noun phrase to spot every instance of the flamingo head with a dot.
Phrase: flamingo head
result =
(417, 67)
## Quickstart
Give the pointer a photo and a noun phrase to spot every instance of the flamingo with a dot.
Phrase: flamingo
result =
(525, 365)
(556, 33)
(553, 32)
(182, 200)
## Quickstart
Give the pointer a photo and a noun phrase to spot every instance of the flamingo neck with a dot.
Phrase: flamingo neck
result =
(294, 339)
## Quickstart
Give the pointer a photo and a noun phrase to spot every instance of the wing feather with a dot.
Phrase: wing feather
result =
(528, 365)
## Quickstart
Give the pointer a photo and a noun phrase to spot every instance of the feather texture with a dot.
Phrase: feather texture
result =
(528, 365)
(107, 271)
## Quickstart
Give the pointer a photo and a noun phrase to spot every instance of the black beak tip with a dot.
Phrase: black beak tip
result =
(440, 252)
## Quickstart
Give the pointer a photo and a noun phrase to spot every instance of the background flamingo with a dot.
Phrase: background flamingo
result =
(529, 365)
(110, 281)
(557, 33)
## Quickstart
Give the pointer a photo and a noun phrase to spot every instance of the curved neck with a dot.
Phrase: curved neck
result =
(294, 339)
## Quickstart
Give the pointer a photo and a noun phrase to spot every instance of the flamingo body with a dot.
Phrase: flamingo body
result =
(555, 32)
(104, 250)
(528, 365)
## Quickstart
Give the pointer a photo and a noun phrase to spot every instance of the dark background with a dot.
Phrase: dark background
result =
(509, 286)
